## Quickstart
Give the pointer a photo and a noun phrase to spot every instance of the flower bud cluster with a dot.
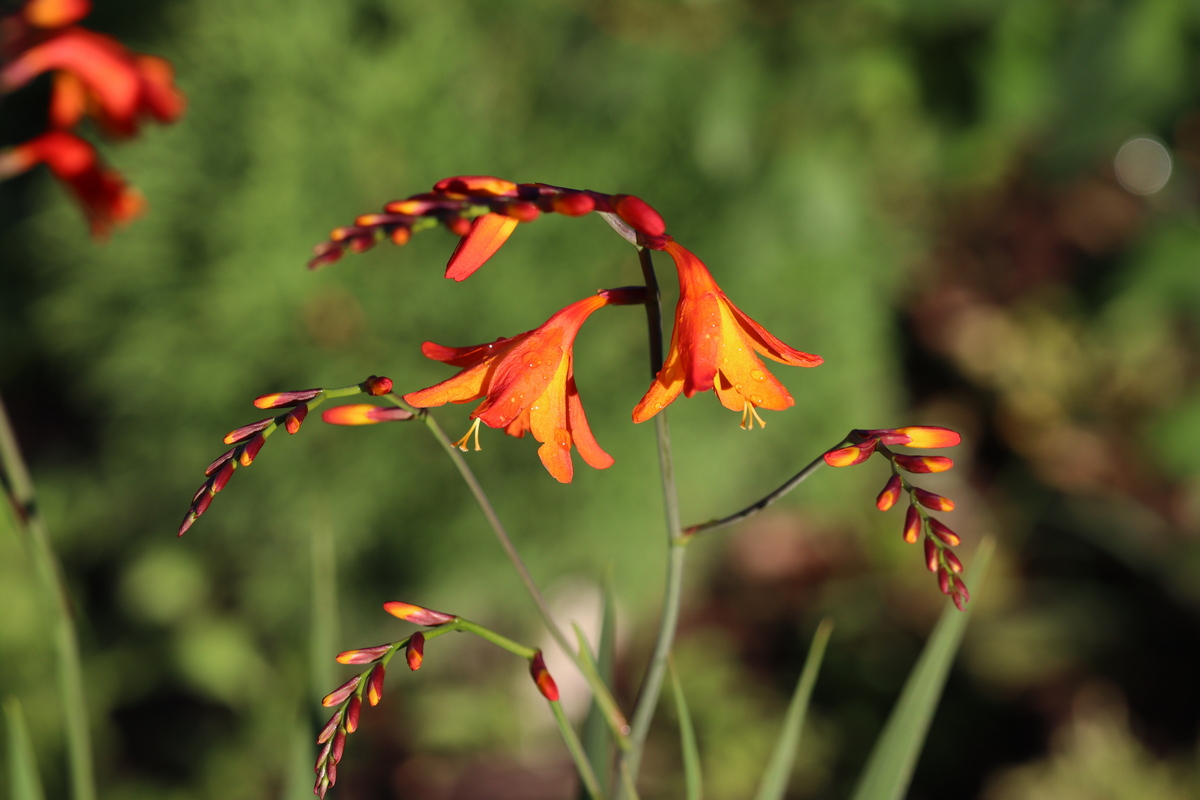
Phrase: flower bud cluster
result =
(248, 440)
(484, 211)
(938, 538)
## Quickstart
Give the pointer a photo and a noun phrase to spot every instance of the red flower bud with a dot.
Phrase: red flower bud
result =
(331, 772)
(953, 562)
(416, 614)
(216, 465)
(222, 477)
(338, 695)
(293, 419)
(377, 386)
(400, 235)
(924, 463)
(323, 758)
(352, 712)
(327, 732)
(912, 524)
(339, 745)
(476, 184)
(375, 684)
(934, 501)
(945, 534)
(250, 450)
(573, 204)
(890, 494)
(415, 652)
(943, 578)
(202, 503)
(851, 455)
(545, 684)
(931, 554)
(280, 399)
(459, 226)
(246, 431)
(928, 437)
(364, 656)
(363, 414)
(521, 210)
(638, 214)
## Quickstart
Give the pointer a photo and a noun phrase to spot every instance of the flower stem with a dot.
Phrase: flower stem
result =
(791, 483)
(656, 670)
(586, 773)
(604, 696)
(18, 486)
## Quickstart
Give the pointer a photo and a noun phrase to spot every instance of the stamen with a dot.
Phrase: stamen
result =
(750, 416)
(461, 444)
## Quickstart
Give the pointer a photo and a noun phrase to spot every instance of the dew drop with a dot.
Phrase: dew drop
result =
(757, 374)
(756, 399)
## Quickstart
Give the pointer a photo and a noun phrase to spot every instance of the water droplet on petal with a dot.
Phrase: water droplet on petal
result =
(757, 374)
(756, 399)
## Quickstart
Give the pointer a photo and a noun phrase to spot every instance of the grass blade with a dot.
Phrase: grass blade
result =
(774, 781)
(687, 736)
(22, 765)
(890, 766)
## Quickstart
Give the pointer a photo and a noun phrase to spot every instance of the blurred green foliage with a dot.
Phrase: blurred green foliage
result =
(921, 193)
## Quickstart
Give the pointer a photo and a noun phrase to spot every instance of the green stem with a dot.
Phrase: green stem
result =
(656, 671)
(19, 487)
(791, 483)
(586, 773)
(604, 696)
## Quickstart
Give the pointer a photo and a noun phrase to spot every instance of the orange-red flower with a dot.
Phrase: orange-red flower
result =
(713, 346)
(96, 74)
(528, 384)
(106, 198)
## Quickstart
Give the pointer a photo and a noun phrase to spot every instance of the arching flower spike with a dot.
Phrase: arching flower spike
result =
(713, 346)
(528, 384)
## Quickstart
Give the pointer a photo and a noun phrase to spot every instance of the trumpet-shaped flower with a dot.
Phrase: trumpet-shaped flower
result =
(713, 346)
(528, 384)
(106, 198)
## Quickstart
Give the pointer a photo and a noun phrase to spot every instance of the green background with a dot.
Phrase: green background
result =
(922, 193)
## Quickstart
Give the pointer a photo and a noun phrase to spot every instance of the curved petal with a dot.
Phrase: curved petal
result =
(487, 234)
(769, 345)
(589, 449)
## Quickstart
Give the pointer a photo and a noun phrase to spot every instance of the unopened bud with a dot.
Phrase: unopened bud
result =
(541, 677)
(338, 695)
(250, 450)
(934, 501)
(375, 684)
(246, 431)
(281, 399)
(943, 578)
(912, 524)
(924, 464)
(327, 732)
(573, 204)
(414, 653)
(352, 711)
(364, 414)
(223, 475)
(931, 554)
(639, 214)
(945, 534)
(851, 455)
(953, 562)
(363, 656)
(929, 437)
(377, 386)
(294, 418)
(421, 616)
(339, 746)
(890, 494)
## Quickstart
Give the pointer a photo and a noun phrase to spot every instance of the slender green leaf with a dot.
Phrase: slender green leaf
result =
(775, 778)
(687, 735)
(597, 738)
(22, 765)
(890, 766)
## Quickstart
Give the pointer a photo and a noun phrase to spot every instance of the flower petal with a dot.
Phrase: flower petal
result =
(487, 234)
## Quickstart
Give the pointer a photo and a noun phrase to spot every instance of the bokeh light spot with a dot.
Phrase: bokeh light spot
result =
(1143, 165)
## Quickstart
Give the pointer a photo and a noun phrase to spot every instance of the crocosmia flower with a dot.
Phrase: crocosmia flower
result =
(106, 198)
(528, 384)
(713, 346)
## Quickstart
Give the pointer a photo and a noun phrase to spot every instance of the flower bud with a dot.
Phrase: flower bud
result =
(414, 653)
(953, 562)
(931, 554)
(572, 204)
(945, 534)
(851, 455)
(375, 684)
(294, 418)
(280, 399)
(639, 214)
(912, 524)
(327, 732)
(250, 450)
(246, 431)
(331, 772)
(890, 494)
(934, 501)
(416, 614)
(363, 414)
(352, 711)
(541, 677)
(521, 210)
(459, 226)
(364, 656)
(923, 464)
(339, 746)
(216, 465)
(476, 184)
(377, 386)
(338, 695)
(929, 437)
(400, 235)
(223, 475)
(943, 578)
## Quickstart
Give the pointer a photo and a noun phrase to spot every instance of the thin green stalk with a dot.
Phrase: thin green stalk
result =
(656, 670)
(586, 773)
(604, 696)
(19, 487)
(791, 483)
